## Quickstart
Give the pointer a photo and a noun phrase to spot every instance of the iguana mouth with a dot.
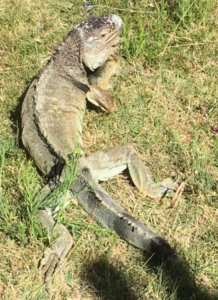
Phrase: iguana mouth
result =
(116, 34)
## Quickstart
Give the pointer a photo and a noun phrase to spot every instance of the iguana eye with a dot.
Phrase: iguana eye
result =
(103, 34)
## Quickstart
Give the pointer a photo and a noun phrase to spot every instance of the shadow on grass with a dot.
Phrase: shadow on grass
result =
(15, 117)
(108, 282)
(177, 280)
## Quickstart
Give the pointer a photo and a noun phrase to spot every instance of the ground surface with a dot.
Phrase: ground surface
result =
(167, 107)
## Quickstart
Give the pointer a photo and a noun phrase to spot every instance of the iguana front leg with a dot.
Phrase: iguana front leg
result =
(101, 98)
(101, 77)
(109, 162)
(99, 82)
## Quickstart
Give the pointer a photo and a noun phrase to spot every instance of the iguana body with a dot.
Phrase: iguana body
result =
(52, 116)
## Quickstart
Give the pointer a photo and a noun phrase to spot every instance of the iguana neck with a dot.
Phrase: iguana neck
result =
(68, 56)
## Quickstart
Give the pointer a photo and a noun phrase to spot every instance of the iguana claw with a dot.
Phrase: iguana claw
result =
(48, 264)
(55, 255)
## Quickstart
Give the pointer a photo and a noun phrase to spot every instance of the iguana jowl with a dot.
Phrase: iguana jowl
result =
(52, 116)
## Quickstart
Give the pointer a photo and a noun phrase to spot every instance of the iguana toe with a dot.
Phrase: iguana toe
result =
(162, 189)
(54, 255)
(48, 265)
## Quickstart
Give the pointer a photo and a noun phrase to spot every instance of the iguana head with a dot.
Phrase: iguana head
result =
(100, 36)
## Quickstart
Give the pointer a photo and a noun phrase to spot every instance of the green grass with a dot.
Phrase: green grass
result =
(167, 107)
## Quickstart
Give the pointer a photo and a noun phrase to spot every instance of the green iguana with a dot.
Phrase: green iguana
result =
(52, 117)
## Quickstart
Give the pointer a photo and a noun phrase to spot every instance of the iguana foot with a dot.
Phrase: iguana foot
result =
(161, 189)
(101, 98)
(54, 255)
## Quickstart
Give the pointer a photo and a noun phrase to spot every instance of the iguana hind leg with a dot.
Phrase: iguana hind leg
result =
(99, 204)
(55, 254)
(109, 162)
